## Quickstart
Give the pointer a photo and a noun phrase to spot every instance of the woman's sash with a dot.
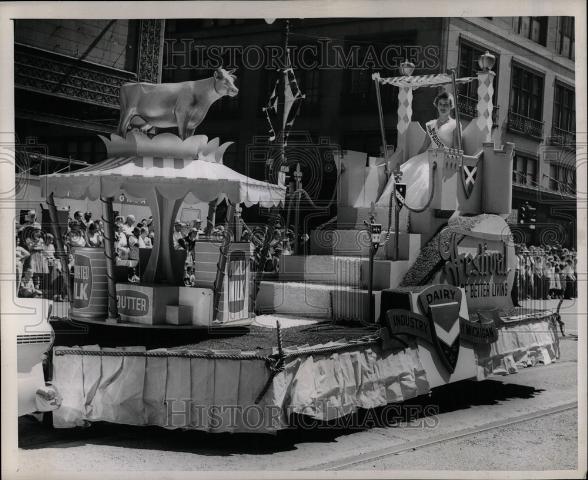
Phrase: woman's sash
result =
(435, 137)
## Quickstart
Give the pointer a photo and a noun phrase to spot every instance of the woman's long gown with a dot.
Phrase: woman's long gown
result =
(415, 171)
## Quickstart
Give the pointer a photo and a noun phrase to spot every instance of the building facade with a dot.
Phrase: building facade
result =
(67, 76)
(534, 91)
(535, 110)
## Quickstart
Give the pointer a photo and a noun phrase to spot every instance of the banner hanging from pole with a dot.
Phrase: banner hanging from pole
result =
(400, 194)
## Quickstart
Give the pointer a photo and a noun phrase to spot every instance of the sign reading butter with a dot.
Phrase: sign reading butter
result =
(482, 263)
(132, 303)
(82, 281)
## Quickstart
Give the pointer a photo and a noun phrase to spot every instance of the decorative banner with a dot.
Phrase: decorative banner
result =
(400, 194)
(475, 332)
(468, 178)
(440, 324)
(405, 322)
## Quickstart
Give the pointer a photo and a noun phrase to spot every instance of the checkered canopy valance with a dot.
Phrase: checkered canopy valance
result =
(419, 81)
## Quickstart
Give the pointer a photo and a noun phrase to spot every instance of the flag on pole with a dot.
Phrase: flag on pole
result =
(271, 110)
(292, 101)
(400, 194)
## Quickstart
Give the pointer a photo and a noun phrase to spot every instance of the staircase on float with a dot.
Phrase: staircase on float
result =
(331, 283)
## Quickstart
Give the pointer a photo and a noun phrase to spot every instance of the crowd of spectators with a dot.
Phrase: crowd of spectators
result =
(544, 272)
(40, 273)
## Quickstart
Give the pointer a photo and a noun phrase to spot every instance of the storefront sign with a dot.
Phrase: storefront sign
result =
(82, 281)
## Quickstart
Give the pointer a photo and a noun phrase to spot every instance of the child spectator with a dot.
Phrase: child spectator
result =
(22, 255)
(27, 287)
(144, 240)
(94, 237)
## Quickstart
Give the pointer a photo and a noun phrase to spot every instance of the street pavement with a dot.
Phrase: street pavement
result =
(545, 443)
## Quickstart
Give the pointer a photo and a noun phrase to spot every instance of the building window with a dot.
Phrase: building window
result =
(524, 170)
(309, 79)
(553, 177)
(468, 66)
(566, 45)
(562, 178)
(310, 86)
(564, 115)
(533, 28)
(526, 102)
(359, 92)
(369, 142)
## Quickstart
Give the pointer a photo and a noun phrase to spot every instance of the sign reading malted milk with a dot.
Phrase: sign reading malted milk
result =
(237, 273)
(82, 281)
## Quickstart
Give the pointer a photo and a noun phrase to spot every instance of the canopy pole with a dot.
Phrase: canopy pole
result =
(382, 130)
(211, 217)
(238, 226)
(454, 83)
(58, 237)
(265, 247)
(108, 219)
(222, 260)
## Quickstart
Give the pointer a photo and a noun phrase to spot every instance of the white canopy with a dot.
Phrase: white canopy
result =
(164, 182)
(171, 177)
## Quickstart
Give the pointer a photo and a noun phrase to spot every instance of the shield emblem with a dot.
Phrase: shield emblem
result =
(400, 194)
(441, 303)
(469, 174)
(445, 319)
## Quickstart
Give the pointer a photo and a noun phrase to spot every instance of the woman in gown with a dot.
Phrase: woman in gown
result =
(441, 134)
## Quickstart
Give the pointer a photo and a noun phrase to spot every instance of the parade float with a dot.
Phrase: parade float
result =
(390, 301)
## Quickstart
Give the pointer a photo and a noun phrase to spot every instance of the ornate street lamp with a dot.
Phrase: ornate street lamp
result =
(406, 68)
(486, 61)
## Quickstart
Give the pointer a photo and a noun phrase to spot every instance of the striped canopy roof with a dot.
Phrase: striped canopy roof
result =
(173, 178)
(418, 81)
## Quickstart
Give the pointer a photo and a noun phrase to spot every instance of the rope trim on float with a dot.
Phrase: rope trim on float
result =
(431, 194)
(166, 354)
(213, 355)
(392, 202)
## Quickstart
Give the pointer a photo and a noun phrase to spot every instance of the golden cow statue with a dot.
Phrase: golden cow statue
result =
(165, 105)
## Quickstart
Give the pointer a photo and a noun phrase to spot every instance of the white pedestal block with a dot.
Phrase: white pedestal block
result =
(178, 315)
(293, 298)
(200, 302)
(352, 306)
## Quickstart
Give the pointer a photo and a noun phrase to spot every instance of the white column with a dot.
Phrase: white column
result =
(485, 106)
(404, 108)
